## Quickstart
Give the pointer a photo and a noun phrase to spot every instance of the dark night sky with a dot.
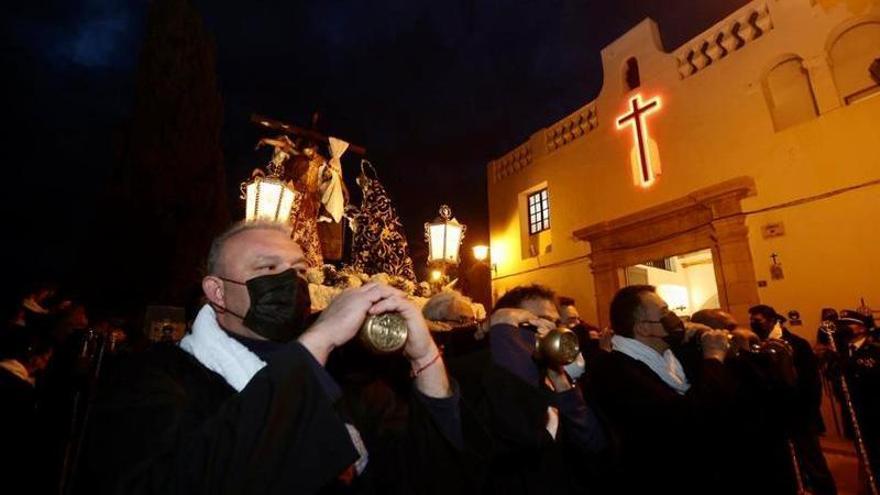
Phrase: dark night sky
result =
(432, 89)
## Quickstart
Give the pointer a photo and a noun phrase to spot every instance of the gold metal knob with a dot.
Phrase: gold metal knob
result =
(558, 347)
(384, 333)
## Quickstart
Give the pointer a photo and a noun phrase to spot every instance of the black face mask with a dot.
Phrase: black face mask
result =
(759, 330)
(280, 305)
(674, 328)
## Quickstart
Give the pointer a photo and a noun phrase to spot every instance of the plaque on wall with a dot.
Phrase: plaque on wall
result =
(770, 230)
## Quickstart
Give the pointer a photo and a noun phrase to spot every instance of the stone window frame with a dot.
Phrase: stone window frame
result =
(768, 97)
(832, 39)
(538, 211)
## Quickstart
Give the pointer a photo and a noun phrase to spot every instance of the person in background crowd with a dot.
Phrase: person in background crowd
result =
(842, 333)
(65, 387)
(568, 312)
(588, 335)
(860, 364)
(664, 420)
(36, 303)
(23, 458)
(805, 420)
(545, 437)
(33, 308)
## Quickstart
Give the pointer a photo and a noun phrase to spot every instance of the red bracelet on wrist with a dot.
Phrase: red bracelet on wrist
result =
(415, 373)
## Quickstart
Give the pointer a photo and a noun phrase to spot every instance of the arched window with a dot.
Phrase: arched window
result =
(851, 55)
(789, 94)
(631, 78)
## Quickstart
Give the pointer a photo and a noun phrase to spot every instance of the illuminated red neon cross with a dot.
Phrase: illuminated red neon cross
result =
(636, 118)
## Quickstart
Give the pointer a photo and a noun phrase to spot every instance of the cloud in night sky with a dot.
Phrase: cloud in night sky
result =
(92, 34)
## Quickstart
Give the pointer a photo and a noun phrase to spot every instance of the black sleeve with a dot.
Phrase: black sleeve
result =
(443, 447)
(809, 381)
(713, 390)
(279, 434)
(580, 426)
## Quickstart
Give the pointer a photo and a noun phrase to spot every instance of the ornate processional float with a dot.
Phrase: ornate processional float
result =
(303, 187)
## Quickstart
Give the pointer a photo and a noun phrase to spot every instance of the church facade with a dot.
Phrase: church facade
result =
(740, 168)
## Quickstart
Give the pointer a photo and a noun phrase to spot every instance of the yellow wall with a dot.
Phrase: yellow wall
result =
(715, 125)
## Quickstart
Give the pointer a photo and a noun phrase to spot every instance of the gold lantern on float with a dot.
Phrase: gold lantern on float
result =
(268, 198)
(444, 236)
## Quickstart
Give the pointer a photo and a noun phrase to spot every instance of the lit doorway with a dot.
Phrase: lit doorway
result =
(686, 282)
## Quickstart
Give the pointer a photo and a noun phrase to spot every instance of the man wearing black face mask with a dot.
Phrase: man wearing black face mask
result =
(804, 416)
(661, 416)
(245, 405)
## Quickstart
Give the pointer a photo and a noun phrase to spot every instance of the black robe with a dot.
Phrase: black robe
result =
(758, 447)
(862, 370)
(169, 425)
(22, 464)
(521, 456)
(805, 422)
(755, 452)
(665, 442)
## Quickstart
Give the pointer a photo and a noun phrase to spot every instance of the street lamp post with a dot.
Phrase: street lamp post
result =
(443, 236)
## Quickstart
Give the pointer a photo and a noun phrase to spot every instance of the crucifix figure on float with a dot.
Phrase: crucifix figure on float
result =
(321, 193)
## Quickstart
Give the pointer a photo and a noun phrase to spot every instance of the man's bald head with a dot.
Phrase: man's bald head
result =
(715, 319)
(214, 264)
(246, 251)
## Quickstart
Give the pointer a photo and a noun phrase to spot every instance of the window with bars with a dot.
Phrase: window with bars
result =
(539, 212)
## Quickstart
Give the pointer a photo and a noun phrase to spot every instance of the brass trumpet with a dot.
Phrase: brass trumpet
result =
(385, 333)
(557, 347)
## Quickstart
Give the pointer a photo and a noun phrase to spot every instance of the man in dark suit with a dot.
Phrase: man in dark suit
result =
(665, 421)
(805, 419)
(860, 363)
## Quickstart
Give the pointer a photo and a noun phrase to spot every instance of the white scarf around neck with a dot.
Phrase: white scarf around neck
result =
(227, 357)
(776, 333)
(219, 352)
(665, 366)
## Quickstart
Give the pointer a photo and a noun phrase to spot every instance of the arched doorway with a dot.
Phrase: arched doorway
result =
(707, 219)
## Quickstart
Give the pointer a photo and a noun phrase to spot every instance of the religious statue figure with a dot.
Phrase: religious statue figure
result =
(303, 169)
(318, 209)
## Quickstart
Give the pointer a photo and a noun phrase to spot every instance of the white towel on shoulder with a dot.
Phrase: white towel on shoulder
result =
(665, 365)
(219, 352)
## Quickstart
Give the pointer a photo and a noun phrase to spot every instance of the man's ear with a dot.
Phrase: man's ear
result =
(638, 330)
(213, 289)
